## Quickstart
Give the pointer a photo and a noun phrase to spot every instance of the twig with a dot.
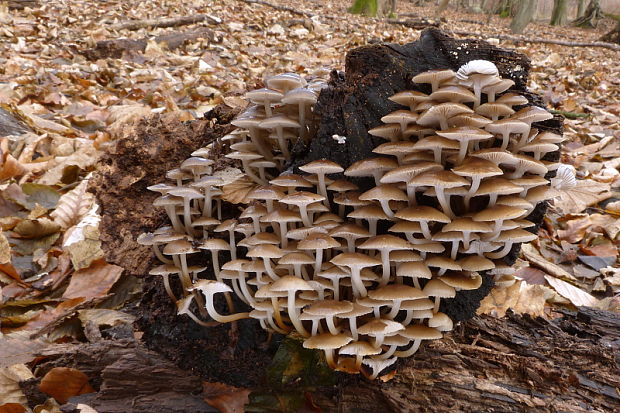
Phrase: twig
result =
(416, 24)
(570, 115)
(545, 41)
(171, 22)
(281, 8)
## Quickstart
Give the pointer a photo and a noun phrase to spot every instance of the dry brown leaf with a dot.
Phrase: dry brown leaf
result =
(18, 350)
(73, 206)
(104, 317)
(225, 398)
(532, 255)
(575, 295)
(12, 408)
(520, 297)
(82, 240)
(94, 281)
(10, 392)
(10, 168)
(84, 157)
(63, 383)
(5, 249)
(586, 193)
(36, 228)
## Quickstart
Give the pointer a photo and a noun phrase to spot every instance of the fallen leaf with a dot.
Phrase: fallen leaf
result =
(10, 392)
(73, 205)
(225, 398)
(82, 241)
(18, 350)
(586, 193)
(94, 281)
(533, 256)
(104, 317)
(36, 228)
(597, 262)
(520, 297)
(573, 294)
(44, 195)
(63, 383)
(5, 249)
(531, 275)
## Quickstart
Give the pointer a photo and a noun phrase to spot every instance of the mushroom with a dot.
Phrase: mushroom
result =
(440, 180)
(397, 293)
(379, 329)
(291, 285)
(478, 74)
(209, 288)
(303, 98)
(322, 167)
(377, 365)
(385, 244)
(417, 333)
(183, 308)
(328, 343)
(434, 77)
(439, 114)
(374, 167)
(355, 262)
(384, 194)
(328, 309)
(265, 97)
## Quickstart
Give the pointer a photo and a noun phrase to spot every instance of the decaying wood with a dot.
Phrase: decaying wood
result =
(518, 39)
(170, 22)
(117, 47)
(129, 378)
(515, 364)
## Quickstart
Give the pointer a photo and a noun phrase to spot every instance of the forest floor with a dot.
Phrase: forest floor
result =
(66, 97)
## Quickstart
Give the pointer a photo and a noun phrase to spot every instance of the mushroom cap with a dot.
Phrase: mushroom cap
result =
(482, 168)
(392, 292)
(422, 213)
(389, 131)
(326, 341)
(466, 224)
(435, 141)
(417, 305)
(400, 116)
(441, 322)
(476, 263)
(439, 179)
(322, 166)
(494, 110)
(500, 186)
(379, 327)
(164, 269)
(185, 192)
(406, 98)
(366, 167)
(417, 269)
(195, 162)
(281, 215)
(215, 244)
(512, 99)
(279, 121)
(531, 114)
(261, 238)
(329, 308)
(499, 87)
(462, 280)
(265, 251)
(436, 75)
(385, 242)
(261, 95)
(290, 283)
(473, 120)
(477, 66)
(442, 111)
(458, 94)
(349, 230)
(304, 232)
(317, 241)
(179, 247)
(368, 212)
(499, 212)
(354, 259)
(406, 226)
(516, 235)
(291, 180)
(404, 255)
(300, 95)
(385, 192)
(496, 155)
(359, 348)
(438, 288)
(285, 81)
(465, 134)
(296, 258)
(349, 198)
(395, 148)
(328, 217)
(301, 198)
(357, 311)
(210, 287)
(342, 185)
(508, 125)
(443, 262)
(420, 332)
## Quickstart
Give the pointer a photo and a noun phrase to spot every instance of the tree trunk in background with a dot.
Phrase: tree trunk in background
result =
(523, 16)
(591, 16)
(558, 16)
(443, 5)
(613, 36)
(581, 7)
(373, 8)
(505, 8)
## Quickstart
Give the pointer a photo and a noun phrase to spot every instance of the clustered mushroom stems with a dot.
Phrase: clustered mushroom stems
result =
(364, 294)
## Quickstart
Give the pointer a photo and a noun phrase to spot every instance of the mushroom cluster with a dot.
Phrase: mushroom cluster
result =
(358, 260)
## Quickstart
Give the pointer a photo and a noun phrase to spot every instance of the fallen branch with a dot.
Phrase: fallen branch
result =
(171, 22)
(115, 48)
(417, 24)
(570, 115)
(281, 8)
(545, 41)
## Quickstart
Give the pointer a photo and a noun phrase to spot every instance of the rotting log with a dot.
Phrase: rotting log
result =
(116, 48)
(514, 364)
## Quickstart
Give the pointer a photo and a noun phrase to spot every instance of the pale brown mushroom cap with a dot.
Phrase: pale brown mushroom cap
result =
(512, 99)
(377, 327)
(438, 288)
(422, 213)
(409, 98)
(354, 259)
(329, 308)
(326, 341)
(498, 212)
(384, 192)
(390, 132)
(476, 263)
(531, 114)
(393, 292)
(322, 166)
(473, 166)
(494, 110)
(436, 113)
(462, 281)
(420, 332)
(435, 76)
(458, 94)
(370, 166)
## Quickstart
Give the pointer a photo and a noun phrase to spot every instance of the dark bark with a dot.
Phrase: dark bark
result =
(612, 36)
(116, 48)
(591, 16)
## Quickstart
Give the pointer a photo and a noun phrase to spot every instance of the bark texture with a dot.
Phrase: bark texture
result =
(523, 16)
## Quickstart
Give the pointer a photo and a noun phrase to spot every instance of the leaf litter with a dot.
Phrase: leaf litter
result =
(69, 109)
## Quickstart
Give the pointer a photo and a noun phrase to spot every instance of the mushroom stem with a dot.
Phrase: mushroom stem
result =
(269, 269)
(318, 260)
(436, 306)
(385, 261)
(292, 311)
(223, 318)
(395, 309)
(174, 219)
(359, 289)
(502, 253)
(331, 326)
(199, 321)
(208, 206)
(411, 195)
(425, 230)
(283, 230)
(329, 357)
(445, 204)
(353, 328)
(303, 211)
(388, 353)
(185, 279)
(411, 351)
(245, 290)
(233, 244)
(160, 256)
(385, 205)
(323, 188)
(187, 218)
(282, 142)
(455, 249)
(168, 287)
(443, 123)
